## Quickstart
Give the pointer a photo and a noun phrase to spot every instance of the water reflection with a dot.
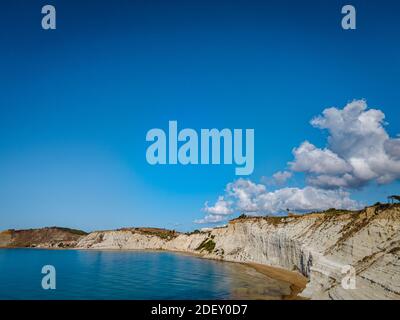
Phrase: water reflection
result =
(131, 275)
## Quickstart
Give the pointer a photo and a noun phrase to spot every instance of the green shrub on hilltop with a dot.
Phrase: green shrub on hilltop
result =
(197, 231)
(73, 231)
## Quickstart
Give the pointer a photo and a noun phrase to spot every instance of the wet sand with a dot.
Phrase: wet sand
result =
(297, 281)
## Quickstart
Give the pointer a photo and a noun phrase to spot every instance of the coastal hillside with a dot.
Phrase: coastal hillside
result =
(52, 237)
(316, 245)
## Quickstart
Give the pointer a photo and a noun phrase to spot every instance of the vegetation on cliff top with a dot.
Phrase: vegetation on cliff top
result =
(73, 231)
(49, 236)
(158, 232)
(329, 213)
(48, 229)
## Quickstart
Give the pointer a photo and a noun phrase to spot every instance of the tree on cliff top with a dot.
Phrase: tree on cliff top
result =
(393, 198)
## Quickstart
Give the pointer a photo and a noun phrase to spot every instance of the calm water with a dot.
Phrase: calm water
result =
(130, 275)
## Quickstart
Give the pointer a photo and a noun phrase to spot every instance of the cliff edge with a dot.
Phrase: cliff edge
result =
(320, 246)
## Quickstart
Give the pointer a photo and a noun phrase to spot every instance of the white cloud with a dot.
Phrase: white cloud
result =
(245, 194)
(249, 197)
(216, 213)
(241, 195)
(392, 148)
(281, 177)
(358, 150)
(309, 158)
(304, 199)
(210, 218)
(221, 207)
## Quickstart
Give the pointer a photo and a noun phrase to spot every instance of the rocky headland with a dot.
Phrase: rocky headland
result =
(319, 246)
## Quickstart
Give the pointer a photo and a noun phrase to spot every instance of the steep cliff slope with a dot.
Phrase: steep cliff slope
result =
(318, 245)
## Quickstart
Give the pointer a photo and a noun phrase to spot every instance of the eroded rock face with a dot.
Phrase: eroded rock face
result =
(317, 245)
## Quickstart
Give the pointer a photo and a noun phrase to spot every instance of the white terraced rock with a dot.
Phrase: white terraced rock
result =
(317, 245)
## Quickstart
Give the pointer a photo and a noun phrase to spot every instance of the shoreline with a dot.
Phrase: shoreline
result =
(296, 281)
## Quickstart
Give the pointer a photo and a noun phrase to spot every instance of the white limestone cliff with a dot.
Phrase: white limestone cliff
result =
(317, 245)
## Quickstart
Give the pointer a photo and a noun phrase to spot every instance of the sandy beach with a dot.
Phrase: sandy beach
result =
(297, 281)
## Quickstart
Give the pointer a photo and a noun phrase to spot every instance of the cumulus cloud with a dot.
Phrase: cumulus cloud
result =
(210, 218)
(309, 158)
(251, 198)
(281, 177)
(217, 212)
(221, 207)
(392, 148)
(358, 151)
(254, 198)
(244, 193)
(304, 199)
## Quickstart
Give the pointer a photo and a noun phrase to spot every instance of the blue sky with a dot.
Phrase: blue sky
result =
(76, 102)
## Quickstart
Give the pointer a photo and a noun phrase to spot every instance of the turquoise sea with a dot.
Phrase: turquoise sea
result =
(82, 274)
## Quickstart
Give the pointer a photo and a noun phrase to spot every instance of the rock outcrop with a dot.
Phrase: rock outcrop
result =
(327, 248)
